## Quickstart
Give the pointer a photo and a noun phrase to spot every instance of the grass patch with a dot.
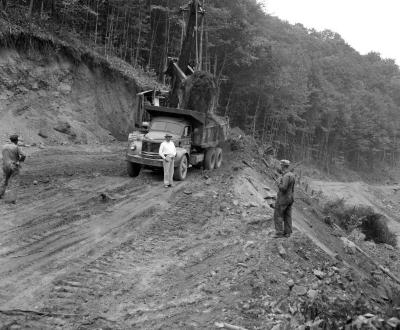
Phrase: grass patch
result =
(373, 225)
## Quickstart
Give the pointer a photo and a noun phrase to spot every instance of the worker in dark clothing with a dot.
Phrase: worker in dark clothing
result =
(12, 157)
(284, 202)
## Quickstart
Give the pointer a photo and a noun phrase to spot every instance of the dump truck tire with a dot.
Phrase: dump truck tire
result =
(181, 170)
(209, 159)
(218, 157)
(133, 169)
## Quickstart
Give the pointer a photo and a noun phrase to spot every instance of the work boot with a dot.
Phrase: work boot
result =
(286, 235)
(278, 235)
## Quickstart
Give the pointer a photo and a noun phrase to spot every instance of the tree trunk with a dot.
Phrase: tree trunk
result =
(30, 8)
(255, 117)
(138, 38)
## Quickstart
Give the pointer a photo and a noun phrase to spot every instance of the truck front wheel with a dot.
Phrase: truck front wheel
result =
(181, 170)
(133, 169)
(218, 157)
(209, 159)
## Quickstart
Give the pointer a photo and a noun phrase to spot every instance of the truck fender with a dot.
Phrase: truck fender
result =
(137, 150)
(180, 152)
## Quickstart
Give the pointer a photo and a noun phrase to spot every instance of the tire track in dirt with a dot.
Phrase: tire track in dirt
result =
(43, 253)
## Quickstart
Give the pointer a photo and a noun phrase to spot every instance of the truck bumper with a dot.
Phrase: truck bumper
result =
(138, 159)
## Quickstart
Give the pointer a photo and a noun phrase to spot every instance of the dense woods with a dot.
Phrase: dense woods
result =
(306, 93)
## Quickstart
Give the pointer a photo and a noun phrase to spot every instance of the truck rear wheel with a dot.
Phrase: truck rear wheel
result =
(181, 170)
(218, 157)
(133, 169)
(209, 159)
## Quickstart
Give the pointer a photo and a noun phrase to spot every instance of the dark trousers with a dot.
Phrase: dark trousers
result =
(283, 219)
(9, 179)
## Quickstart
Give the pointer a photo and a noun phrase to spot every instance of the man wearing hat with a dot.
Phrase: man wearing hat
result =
(12, 157)
(168, 152)
(284, 201)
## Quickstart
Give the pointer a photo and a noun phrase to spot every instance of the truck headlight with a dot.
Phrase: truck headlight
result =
(133, 146)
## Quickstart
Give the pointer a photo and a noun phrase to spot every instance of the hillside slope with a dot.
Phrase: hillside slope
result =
(51, 94)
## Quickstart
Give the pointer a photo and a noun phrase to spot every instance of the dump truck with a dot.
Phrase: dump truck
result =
(187, 113)
(198, 138)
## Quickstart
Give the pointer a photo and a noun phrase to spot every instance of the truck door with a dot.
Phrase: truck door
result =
(186, 141)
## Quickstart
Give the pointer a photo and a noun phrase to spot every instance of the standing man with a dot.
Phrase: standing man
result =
(168, 153)
(12, 157)
(284, 202)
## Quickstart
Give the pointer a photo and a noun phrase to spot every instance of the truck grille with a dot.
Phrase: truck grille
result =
(150, 147)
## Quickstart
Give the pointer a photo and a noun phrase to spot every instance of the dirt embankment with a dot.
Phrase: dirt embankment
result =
(47, 96)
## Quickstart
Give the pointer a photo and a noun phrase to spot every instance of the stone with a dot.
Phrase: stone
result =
(248, 244)
(319, 274)
(312, 294)
(389, 247)
(299, 290)
(65, 88)
(235, 202)
(282, 251)
(290, 283)
(43, 134)
(349, 246)
(35, 182)
(393, 322)
(63, 127)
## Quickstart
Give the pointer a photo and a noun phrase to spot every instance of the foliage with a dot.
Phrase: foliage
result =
(305, 92)
(373, 225)
(375, 228)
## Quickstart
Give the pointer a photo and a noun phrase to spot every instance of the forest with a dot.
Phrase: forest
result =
(306, 93)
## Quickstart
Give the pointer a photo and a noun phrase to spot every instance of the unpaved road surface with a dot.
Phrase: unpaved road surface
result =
(87, 247)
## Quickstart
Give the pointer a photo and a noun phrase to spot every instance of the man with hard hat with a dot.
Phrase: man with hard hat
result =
(284, 201)
(12, 157)
(168, 152)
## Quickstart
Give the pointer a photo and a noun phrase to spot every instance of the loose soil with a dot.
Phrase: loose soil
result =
(47, 98)
(87, 247)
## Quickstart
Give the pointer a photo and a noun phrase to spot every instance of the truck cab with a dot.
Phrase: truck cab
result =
(143, 148)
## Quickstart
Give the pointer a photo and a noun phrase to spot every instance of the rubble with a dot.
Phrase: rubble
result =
(299, 290)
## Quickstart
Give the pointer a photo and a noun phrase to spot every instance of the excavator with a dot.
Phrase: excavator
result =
(198, 133)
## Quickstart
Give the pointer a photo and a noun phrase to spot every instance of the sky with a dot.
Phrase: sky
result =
(366, 25)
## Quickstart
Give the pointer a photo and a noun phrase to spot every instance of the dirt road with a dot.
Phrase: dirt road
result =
(146, 257)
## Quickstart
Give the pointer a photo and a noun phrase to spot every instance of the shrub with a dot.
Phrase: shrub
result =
(347, 217)
(372, 224)
(375, 228)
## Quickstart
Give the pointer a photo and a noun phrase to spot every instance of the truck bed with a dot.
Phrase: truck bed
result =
(210, 130)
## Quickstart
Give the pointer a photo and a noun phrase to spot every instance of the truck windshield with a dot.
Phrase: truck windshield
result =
(167, 127)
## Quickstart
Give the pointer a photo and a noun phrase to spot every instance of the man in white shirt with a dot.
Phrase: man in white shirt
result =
(168, 153)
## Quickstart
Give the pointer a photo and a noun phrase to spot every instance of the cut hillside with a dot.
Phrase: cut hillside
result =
(52, 93)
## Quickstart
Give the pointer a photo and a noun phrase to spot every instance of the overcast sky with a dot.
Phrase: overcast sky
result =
(366, 25)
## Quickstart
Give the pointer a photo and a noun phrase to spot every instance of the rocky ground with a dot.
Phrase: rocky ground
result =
(87, 247)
